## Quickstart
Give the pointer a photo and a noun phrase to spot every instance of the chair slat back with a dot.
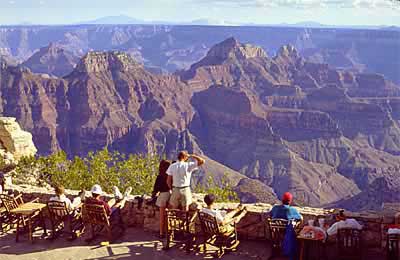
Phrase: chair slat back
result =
(277, 228)
(349, 242)
(95, 214)
(208, 223)
(177, 220)
(57, 209)
(9, 202)
(393, 246)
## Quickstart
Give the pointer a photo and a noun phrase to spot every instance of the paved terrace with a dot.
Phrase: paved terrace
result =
(140, 241)
(135, 244)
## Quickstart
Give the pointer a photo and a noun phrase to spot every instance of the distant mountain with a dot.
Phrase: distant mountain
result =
(212, 22)
(118, 19)
(123, 19)
(53, 60)
(305, 24)
(390, 28)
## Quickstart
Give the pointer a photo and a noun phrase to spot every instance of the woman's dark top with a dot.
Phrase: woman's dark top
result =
(161, 184)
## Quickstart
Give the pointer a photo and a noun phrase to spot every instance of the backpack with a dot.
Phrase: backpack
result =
(289, 244)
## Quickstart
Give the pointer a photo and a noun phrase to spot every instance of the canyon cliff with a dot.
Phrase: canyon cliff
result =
(269, 123)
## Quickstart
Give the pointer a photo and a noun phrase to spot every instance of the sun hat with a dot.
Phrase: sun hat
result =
(96, 189)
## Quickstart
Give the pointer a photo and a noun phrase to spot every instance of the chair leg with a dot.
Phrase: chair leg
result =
(17, 231)
(53, 229)
(109, 233)
(220, 251)
(168, 241)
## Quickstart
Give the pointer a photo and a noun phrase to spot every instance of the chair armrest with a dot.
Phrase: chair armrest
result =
(193, 217)
(232, 220)
(34, 200)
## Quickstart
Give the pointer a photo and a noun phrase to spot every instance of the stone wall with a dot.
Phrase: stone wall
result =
(138, 212)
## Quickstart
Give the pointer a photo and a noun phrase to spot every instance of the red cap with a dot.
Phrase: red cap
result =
(287, 197)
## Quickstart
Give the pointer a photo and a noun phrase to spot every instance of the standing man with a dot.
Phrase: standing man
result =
(179, 175)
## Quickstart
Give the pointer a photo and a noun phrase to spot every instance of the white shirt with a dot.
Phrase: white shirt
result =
(63, 198)
(393, 231)
(181, 173)
(215, 213)
(348, 223)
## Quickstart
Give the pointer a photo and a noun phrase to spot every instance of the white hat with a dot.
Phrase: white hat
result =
(96, 189)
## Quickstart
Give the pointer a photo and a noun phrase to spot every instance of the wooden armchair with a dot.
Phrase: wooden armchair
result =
(393, 246)
(277, 229)
(224, 237)
(96, 219)
(9, 203)
(180, 228)
(349, 243)
(3, 218)
(64, 220)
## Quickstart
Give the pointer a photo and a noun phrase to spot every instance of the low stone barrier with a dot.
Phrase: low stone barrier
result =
(138, 212)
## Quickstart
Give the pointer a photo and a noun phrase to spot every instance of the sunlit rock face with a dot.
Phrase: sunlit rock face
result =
(271, 124)
(14, 142)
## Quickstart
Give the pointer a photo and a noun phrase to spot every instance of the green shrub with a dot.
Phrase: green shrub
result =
(107, 169)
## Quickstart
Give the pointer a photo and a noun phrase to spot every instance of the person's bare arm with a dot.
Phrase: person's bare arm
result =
(200, 161)
(169, 181)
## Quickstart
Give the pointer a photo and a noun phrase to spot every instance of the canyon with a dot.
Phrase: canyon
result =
(269, 123)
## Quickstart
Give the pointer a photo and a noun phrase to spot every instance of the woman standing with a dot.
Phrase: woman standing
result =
(164, 192)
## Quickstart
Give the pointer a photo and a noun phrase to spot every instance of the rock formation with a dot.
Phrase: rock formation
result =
(270, 124)
(14, 142)
(53, 60)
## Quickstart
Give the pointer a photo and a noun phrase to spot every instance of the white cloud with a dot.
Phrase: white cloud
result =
(306, 3)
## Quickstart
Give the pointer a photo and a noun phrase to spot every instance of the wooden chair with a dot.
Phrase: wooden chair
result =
(180, 228)
(349, 243)
(29, 223)
(64, 220)
(95, 217)
(9, 203)
(223, 237)
(3, 219)
(277, 229)
(393, 247)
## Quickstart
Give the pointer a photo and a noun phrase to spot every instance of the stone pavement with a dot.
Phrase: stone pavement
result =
(135, 244)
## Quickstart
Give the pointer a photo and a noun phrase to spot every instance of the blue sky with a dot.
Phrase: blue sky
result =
(333, 12)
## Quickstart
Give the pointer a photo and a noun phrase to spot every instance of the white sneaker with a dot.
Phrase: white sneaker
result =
(117, 193)
(127, 192)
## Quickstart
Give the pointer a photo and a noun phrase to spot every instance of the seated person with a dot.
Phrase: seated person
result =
(113, 205)
(223, 219)
(72, 207)
(60, 196)
(285, 211)
(347, 223)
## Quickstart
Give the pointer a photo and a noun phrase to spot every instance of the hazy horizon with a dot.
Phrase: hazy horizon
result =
(218, 12)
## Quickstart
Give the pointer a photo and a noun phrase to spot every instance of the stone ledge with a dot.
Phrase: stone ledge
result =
(138, 212)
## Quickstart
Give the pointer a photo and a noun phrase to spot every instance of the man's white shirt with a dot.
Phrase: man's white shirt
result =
(63, 198)
(348, 223)
(215, 213)
(181, 173)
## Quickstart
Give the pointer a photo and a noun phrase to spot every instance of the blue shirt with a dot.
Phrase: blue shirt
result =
(285, 212)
